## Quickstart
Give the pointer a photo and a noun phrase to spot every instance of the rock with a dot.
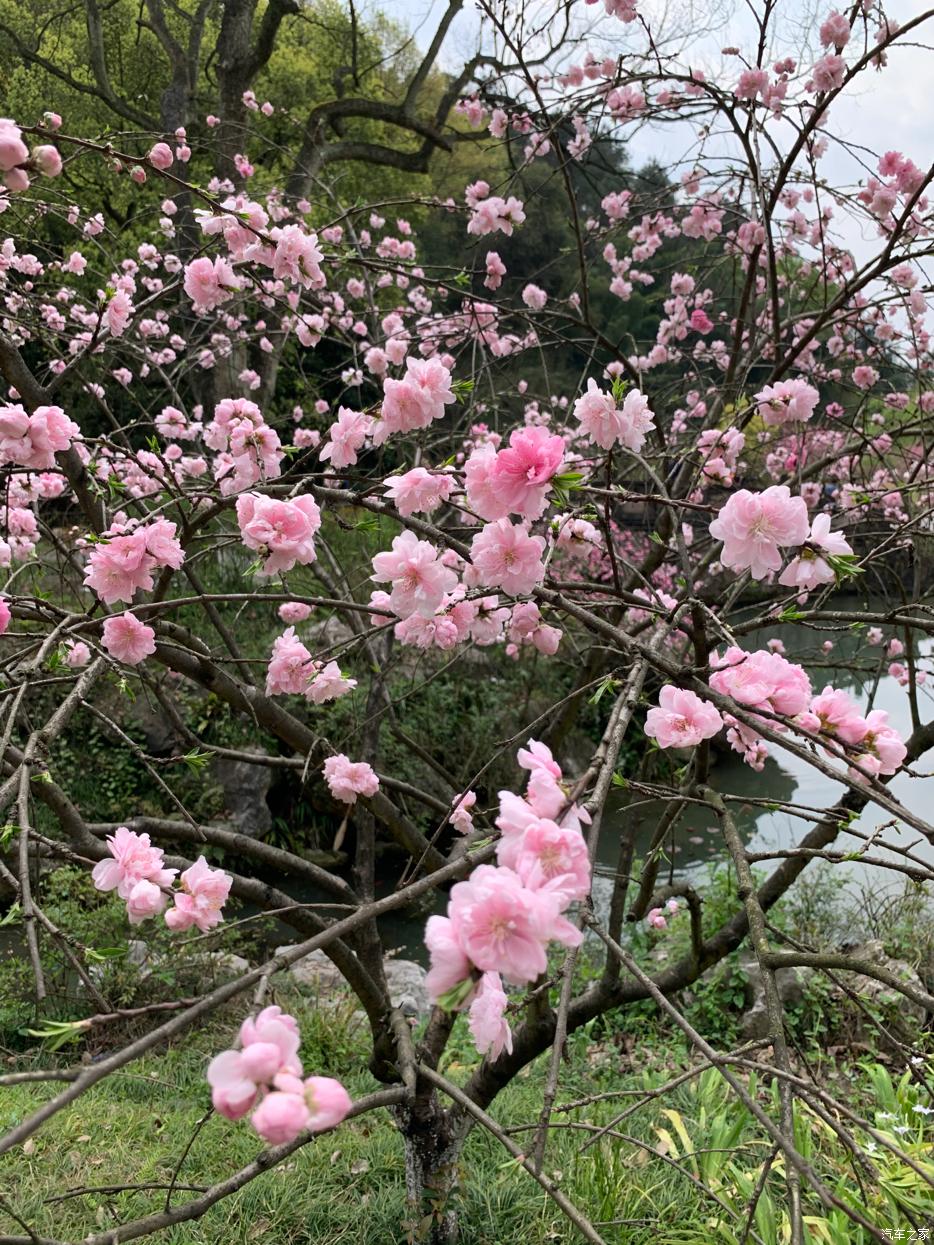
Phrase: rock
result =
(406, 981)
(791, 986)
(329, 633)
(245, 787)
(161, 736)
(900, 1015)
(405, 978)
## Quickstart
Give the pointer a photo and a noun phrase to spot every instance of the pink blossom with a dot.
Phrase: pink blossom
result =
(810, 569)
(414, 401)
(790, 401)
(127, 639)
(290, 665)
(145, 900)
(161, 157)
(554, 858)
(832, 712)
(119, 311)
(294, 611)
(13, 151)
(47, 160)
(607, 424)
(5, 615)
(505, 555)
(328, 1102)
(34, 440)
(280, 1117)
(329, 684)
(280, 531)
(682, 719)
(828, 73)
(761, 679)
(134, 860)
(204, 893)
(233, 1093)
(519, 477)
(449, 965)
(209, 283)
(77, 655)
(495, 213)
(347, 436)
(123, 563)
(504, 927)
(419, 491)
(753, 526)
(534, 297)
(461, 818)
(297, 257)
(347, 779)
(488, 1025)
(835, 31)
(419, 578)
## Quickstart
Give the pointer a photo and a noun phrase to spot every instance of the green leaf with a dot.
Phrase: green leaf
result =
(13, 913)
(58, 1033)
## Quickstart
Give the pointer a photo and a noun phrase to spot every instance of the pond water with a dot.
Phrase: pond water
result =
(785, 778)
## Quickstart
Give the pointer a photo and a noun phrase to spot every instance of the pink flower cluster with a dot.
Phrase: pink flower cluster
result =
(516, 480)
(754, 526)
(122, 563)
(607, 423)
(267, 1071)
(248, 449)
(34, 440)
(293, 671)
(282, 532)
(414, 401)
(347, 779)
(790, 401)
(871, 743)
(763, 679)
(136, 871)
(500, 921)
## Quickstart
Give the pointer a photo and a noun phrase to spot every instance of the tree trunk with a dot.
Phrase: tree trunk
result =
(432, 1173)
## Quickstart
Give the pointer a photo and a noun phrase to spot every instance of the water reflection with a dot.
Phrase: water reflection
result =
(853, 665)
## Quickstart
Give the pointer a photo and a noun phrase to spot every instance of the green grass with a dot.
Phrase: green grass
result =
(348, 1187)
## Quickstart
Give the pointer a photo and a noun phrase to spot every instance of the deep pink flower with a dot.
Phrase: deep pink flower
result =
(520, 476)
